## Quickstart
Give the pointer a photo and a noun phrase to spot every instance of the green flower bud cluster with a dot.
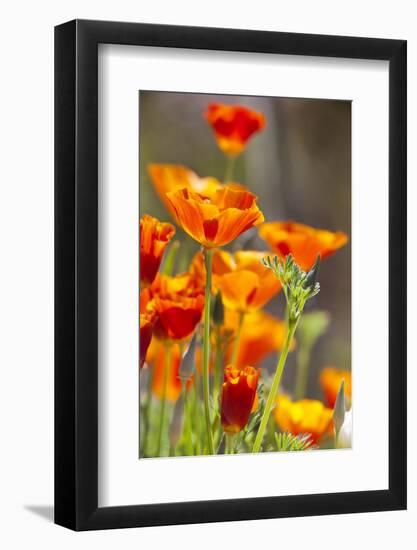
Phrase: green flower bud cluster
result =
(298, 286)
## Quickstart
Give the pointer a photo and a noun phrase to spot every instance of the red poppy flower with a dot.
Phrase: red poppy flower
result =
(238, 396)
(154, 238)
(146, 327)
(177, 303)
(233, 126)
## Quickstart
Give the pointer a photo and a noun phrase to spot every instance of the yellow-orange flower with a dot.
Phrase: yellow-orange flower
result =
(157, 358)
(331, 379)
(177, 303)
(305, 243)
(245, 283)
(238, 397)
(233, 126)
(171, 177)
(249, 285)
(154, 238)
(306, 416)
(261, 334)
(217, 220)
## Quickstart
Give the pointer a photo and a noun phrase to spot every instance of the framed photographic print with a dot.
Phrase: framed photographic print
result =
(230, 338)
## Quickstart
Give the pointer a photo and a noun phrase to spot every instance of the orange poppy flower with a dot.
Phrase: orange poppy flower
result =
(177, 303)
(261, 335)
(171, 177)
(157, 357)
(233, 126)
(305, 243)
(249, 285)
(238, 396)
(331, 379)
(218, 220)
(306, 416)
(146, 327)
(246, 284)
(154, 238)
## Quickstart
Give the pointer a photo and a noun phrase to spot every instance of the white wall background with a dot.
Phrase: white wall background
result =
(26, 274)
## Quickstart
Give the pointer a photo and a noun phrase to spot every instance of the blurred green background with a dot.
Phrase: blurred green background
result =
(300, 168)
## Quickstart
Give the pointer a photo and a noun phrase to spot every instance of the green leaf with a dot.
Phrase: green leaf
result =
(169, 261)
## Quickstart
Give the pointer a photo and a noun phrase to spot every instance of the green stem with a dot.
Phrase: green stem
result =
(218, 360)
(230, 438)
(208, 258)
(220, 443)
(195, 417)
(274, 388)
(237, 339)
(187, 435)
(164, 398)
(146, 411)
(230, 167)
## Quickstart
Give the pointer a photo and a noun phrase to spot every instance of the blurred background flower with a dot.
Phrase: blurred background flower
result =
(331, 379)
(306, 416)
(233, 125)
(261, 335)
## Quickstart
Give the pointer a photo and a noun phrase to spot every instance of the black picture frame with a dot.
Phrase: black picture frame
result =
(76, 272)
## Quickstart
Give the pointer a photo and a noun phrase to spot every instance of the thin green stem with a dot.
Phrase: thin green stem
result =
(148, 408)
(144, 419)
(230, 439)
(208, 257)
(195, 417)
(187, 429)
(218, 363)
(237, 339)
(167, 367)
(274, 388)
(230, 168)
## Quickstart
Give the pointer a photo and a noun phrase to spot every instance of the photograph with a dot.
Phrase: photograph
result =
(245, 274)
(209, 308)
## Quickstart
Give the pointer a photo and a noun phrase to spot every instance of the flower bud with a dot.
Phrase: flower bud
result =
(238, 396)
(311, 278)
(188, 361)
(218, 310)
